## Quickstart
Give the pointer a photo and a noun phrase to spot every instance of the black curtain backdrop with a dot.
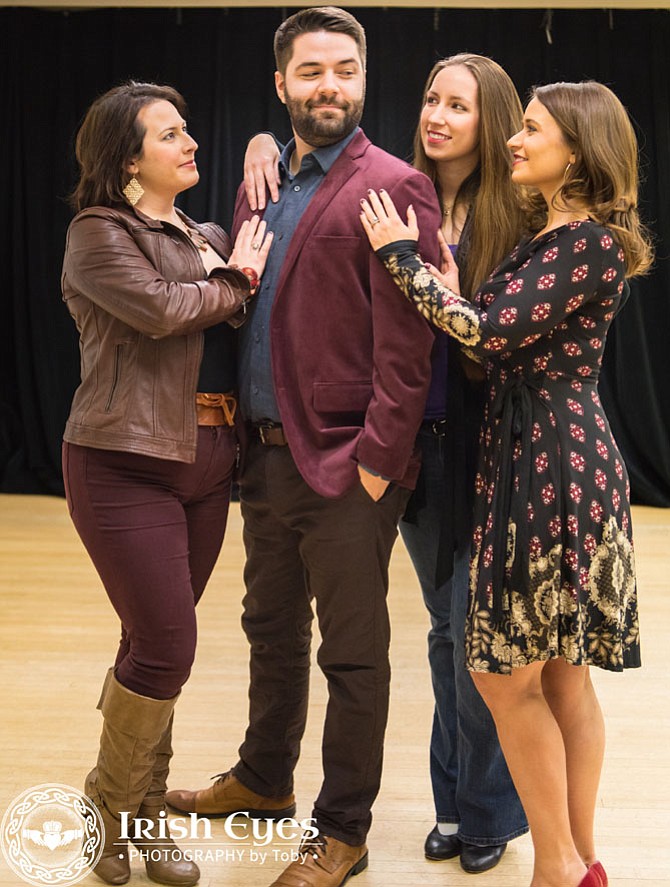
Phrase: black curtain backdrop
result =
(53, 63)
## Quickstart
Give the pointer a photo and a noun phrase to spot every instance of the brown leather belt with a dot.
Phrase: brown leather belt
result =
(215, 409)
(270, 435)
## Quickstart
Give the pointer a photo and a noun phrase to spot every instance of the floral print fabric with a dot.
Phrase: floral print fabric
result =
(552, 568)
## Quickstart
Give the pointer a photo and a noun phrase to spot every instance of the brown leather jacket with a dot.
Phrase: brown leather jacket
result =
(140, 297)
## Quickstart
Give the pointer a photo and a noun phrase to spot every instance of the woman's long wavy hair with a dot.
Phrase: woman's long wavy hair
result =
(495, 220)
(604, 178)
(110, 137)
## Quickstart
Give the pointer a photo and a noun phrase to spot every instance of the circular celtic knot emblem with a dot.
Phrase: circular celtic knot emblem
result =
(52, 834)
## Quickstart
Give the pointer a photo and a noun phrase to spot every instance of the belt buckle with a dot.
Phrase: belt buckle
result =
(439, 427)
(263, 431)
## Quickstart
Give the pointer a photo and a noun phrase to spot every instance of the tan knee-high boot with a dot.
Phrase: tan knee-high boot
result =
(132, 728)
(164, 861)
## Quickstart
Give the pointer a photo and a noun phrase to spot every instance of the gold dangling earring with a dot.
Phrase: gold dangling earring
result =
(567, 170)
(133, 191)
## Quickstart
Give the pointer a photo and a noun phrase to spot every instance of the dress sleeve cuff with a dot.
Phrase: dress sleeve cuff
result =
(401, 249)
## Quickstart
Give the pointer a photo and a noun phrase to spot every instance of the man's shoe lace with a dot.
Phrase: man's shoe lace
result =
(316, 846)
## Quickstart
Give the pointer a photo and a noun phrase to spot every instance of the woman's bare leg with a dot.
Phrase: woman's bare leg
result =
(532, 742)
(572, 699)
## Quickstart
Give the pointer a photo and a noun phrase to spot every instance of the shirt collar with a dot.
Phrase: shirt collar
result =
(324, 157)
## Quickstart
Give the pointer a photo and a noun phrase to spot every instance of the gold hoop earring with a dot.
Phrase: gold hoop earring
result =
(133, 191)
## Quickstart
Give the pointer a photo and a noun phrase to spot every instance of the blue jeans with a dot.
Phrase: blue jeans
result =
(470, 779)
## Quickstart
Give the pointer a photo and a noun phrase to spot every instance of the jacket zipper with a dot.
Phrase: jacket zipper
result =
(115, 377)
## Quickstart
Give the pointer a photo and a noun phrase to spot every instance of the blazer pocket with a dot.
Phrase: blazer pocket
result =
(342, 397)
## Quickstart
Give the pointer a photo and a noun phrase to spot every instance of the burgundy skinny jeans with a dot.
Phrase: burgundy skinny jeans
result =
(153, 529)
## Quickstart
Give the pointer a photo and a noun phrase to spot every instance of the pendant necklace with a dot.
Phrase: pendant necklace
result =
(198, 239)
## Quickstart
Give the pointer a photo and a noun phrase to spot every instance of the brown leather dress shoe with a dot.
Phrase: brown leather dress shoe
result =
(323, 862)
(226, 796)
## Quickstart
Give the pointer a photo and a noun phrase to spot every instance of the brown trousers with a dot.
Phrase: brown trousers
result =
(302, 547)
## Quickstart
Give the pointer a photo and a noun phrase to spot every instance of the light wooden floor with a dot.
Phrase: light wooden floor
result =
(58, 635)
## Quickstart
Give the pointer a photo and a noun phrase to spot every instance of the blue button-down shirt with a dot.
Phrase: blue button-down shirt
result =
(256, 389)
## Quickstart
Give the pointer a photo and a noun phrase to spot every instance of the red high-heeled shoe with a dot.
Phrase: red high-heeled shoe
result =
(591, 879)
(597, 867)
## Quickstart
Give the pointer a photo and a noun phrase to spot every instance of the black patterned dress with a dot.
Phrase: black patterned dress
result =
(552, 569)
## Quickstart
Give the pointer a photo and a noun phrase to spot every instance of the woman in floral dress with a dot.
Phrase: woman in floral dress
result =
(552, 569)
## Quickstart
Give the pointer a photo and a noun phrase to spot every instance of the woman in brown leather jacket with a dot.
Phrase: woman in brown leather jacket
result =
(150, 445)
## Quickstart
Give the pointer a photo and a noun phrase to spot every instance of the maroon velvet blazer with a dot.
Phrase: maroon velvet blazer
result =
(350, 355)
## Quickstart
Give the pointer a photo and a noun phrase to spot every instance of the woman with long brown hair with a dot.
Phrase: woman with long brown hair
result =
(469, 109)
(552, 583)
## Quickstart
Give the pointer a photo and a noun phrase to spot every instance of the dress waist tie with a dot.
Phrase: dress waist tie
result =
(513, 406)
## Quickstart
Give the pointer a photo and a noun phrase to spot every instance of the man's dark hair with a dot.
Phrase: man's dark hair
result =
(319, 18)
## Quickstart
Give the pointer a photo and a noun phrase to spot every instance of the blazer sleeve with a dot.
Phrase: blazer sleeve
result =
(402, 346)
(104, 263)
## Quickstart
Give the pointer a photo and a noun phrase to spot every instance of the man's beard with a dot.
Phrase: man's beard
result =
(321, 130)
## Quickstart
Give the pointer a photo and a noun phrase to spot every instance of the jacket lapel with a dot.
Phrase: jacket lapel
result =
(340, 172)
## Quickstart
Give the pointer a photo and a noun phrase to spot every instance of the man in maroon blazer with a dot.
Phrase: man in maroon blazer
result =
(334, 371)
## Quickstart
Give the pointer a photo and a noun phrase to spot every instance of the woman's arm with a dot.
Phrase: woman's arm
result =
(261, 168)
(104, 263)
(533, 300)
(436, 302)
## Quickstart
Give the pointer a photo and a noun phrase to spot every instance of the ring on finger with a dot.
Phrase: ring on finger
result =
(255, 245)
(374, 221)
